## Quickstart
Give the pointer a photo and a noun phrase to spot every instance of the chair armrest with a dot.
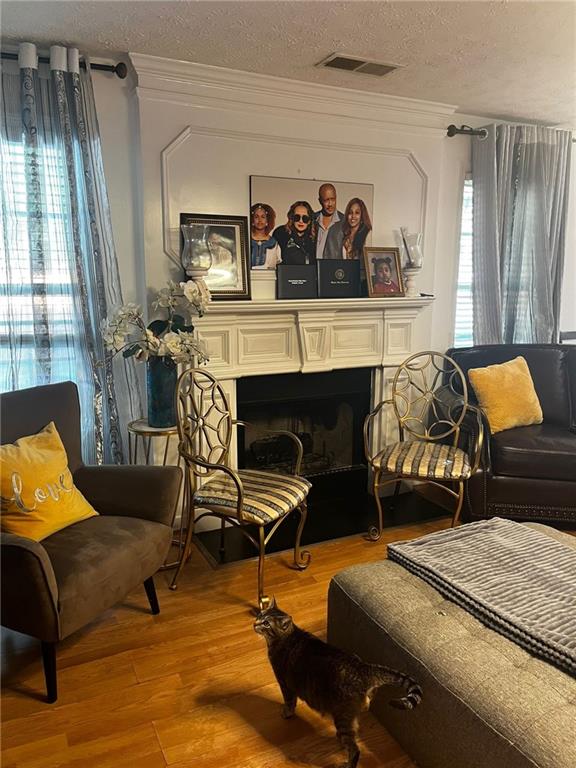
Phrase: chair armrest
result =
(294, 439)
(476, 429)
(193, 462)
(147, 492)
(29, 588)
(369, 427)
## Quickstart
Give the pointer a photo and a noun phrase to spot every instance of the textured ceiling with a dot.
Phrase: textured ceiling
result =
(498, 58)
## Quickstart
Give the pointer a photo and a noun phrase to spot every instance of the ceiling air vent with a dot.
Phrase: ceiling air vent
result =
(350, 64)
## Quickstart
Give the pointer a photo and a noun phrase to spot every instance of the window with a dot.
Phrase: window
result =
(464, 324)
(38, 333)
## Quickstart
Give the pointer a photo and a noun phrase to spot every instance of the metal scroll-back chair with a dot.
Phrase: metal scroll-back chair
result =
(430, 401)
(254, 501)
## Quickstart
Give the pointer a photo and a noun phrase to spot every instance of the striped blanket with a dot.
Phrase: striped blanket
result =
(516, 580)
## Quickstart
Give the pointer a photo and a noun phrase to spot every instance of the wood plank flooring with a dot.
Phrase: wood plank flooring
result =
(192, 686)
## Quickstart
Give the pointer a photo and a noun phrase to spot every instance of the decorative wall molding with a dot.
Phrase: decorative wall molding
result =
(170, 241)
(169, 155)
(166, 79)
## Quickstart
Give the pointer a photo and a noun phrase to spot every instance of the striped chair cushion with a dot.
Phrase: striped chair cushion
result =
(417, 458)
(267, 495)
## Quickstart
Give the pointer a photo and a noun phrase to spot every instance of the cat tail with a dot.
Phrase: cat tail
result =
(387, 676)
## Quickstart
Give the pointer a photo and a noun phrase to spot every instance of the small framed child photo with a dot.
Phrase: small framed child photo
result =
(383, 272)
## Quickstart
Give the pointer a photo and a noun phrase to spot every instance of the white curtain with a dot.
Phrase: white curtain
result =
(58, 269)
(520, 177)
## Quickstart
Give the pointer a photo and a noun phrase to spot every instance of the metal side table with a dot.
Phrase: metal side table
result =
(144, 437)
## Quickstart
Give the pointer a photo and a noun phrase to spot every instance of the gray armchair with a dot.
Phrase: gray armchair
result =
(53, 587)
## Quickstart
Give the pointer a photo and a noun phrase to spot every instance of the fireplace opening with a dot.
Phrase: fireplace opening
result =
(326, 411)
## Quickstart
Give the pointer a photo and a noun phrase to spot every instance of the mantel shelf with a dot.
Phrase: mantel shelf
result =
(237, 307)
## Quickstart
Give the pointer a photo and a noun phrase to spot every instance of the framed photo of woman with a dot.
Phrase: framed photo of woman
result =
(383, 272)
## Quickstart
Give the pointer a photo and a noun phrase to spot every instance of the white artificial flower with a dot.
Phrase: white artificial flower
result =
(152, 342)
(197, 294)
(165, 299)
(172, 343)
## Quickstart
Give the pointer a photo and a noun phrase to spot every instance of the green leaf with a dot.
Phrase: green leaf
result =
(129, 351)
(158, 326)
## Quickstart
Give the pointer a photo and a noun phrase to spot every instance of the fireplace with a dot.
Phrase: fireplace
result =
(327, 411)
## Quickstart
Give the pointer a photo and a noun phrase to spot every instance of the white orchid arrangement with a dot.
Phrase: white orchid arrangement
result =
(125, 330)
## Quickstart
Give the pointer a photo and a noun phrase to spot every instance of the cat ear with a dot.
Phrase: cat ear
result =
(272, 603)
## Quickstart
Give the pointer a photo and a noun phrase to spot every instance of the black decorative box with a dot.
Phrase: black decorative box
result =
(338, 278)
(296, 281)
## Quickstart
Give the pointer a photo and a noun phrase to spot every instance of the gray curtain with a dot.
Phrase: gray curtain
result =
(58, 270)
(520, 176)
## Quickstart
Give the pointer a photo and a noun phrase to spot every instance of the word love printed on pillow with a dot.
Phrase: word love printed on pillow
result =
(40, 494)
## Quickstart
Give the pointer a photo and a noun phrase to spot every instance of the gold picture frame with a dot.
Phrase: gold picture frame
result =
(383, 272)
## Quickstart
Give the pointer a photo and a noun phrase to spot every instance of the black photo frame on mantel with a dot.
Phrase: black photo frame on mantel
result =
(226, 239)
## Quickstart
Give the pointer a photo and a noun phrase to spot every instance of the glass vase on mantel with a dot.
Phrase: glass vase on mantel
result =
(195, 257)
(161, 375)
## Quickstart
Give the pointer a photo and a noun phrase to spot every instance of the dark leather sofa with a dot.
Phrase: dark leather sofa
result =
(528, 473)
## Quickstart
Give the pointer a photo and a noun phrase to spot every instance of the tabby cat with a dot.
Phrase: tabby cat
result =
(329, 680)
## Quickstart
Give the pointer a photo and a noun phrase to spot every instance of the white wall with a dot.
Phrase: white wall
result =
(240, 124)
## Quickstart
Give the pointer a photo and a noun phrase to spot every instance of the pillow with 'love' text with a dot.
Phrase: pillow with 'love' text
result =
(38, 494)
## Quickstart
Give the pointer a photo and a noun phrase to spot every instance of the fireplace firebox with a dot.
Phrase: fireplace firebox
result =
(327, 412)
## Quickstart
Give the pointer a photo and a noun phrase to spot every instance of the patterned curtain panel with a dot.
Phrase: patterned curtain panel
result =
(58, 269)
(520, 176)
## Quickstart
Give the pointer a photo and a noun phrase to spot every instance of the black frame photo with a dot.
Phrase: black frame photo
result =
(383, 272)
(226, 239)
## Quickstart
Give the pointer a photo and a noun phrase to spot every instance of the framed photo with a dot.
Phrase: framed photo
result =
(300, 221)
(383, 272)
(225, 240)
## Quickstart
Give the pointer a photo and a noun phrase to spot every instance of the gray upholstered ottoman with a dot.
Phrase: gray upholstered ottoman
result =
(487, 703)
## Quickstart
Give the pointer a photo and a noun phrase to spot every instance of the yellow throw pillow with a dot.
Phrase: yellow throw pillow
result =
(507, 395)
(38, 494)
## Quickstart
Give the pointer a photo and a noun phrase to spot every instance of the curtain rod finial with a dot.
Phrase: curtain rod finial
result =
(121, 70)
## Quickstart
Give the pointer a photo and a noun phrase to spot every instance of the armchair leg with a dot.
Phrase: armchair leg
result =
(49, 661)
(456, 517)
(151, 595)
(374, 532)
(301, 557)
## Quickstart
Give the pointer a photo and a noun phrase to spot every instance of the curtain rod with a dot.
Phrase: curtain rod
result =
(452, 130)
(120, 69)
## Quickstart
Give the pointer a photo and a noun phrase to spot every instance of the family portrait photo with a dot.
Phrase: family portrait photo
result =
(301, 221)
(383, 272)
(221, 242)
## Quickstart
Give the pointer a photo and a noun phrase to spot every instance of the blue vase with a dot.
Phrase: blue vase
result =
(161, 375)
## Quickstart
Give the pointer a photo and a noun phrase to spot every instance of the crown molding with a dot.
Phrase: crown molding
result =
(168, 78)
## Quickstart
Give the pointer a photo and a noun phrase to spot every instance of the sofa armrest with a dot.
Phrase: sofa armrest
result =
(148, 492)
(29, 588)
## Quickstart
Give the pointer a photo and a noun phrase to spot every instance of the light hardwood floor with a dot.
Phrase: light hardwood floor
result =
(190, 687)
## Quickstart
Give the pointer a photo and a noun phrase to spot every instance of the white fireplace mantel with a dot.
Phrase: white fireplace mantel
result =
(250, 338)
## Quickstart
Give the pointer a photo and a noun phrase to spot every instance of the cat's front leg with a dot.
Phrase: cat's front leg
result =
(290, 700)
